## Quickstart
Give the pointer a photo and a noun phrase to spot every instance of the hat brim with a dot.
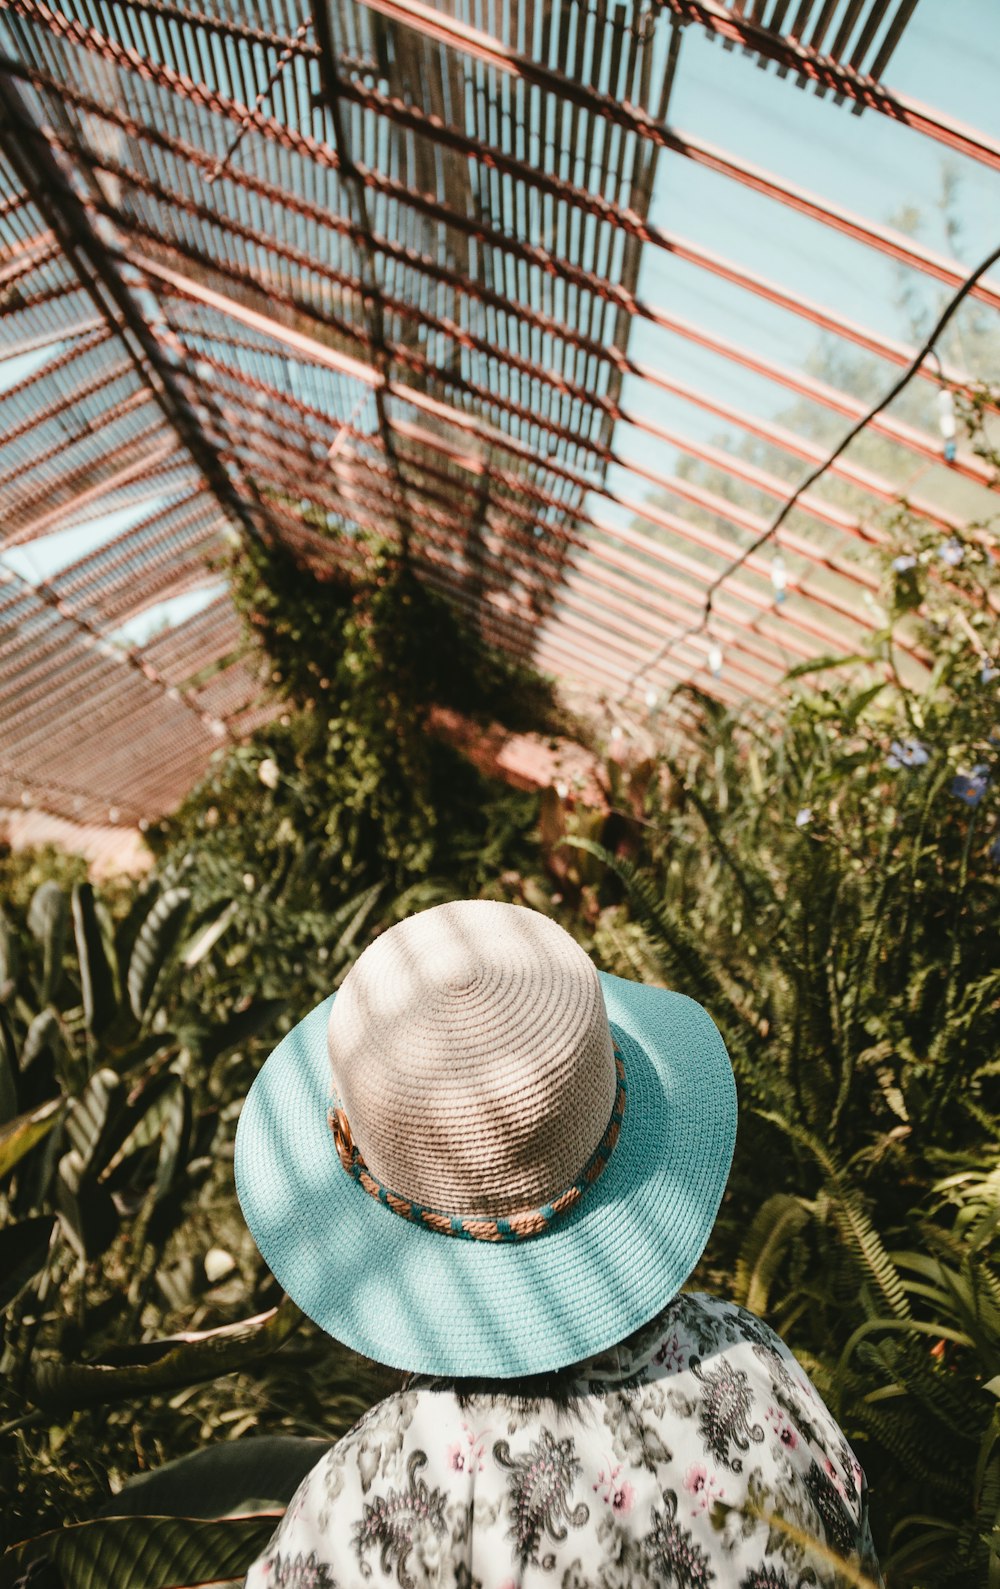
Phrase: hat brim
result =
(413, 1299)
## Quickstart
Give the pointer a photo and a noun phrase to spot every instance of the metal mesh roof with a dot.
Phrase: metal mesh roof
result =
(459, 274)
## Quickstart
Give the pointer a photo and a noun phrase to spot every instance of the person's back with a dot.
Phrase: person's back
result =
(697, 1453)
(485, 1158)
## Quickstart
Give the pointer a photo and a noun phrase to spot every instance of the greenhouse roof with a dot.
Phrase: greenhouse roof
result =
(568, 298)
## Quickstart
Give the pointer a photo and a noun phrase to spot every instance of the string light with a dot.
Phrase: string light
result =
(652, 698)
(715, 659)
(946, 422)
(779, 577)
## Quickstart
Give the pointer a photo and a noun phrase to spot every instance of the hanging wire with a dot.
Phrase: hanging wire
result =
(926, 349)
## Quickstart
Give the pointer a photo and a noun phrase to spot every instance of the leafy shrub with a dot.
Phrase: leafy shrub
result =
(827, 886)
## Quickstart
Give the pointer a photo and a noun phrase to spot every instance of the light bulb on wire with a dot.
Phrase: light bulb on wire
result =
(946, 422)
(715, 659)
(779, 577)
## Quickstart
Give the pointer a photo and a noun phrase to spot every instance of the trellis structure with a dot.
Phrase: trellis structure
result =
(304, 271)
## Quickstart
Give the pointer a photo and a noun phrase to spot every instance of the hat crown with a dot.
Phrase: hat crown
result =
(471, 1051)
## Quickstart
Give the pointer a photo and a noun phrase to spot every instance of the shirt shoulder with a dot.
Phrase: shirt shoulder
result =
(684, 1444)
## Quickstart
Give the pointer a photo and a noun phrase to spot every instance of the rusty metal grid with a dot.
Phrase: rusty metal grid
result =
(318, 272)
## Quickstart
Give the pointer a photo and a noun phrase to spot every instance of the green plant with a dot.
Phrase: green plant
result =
(826, 884)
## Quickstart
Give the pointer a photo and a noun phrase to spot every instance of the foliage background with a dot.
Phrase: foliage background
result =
(824, 881)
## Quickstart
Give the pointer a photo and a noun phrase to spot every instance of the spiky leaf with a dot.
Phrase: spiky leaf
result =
(147, 1552)
(156, 940)
(20, 1135)
(23, 1249)
(222, 1479)
(100, 997)
(92, 1116)
(775, 1224)
(48, 920)
(89, 1216)
(8, 959)
(8, 1070)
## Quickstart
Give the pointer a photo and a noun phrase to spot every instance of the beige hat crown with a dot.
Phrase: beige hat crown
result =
(472, 1057)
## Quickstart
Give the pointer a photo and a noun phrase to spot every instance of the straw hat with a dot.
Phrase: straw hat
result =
(482, 1156)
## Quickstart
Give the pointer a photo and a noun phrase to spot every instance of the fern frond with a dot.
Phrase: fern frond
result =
(853, 1221)
(774, 1227)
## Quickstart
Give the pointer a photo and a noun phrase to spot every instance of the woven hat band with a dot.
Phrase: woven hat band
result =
(520, 1225)
(471, 1053)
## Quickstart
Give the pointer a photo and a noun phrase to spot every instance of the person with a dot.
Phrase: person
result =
(487, 1164)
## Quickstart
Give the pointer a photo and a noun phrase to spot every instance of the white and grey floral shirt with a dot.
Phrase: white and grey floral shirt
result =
(696, 1453)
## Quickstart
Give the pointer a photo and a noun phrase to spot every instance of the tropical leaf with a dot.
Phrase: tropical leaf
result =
(146, 1552)
(48, 921)
(174, 1139)
(91, 1117)
(8, 959)
(155, 941)
(127, 931)
(20, 1135)
(853, 1219)
(97, 976)
(43, 1038)
(88, 1213)
(222, 1479)
(165, 1364)
(776, 1223)
(8, 1070)
(23, 1250)
(219, 1039)
(209, 935)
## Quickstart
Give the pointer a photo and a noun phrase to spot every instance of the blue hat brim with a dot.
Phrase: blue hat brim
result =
(411, 1298)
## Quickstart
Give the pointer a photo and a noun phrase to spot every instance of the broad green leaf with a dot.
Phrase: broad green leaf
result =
(154, 944)
(23, 1250)
(8, 959)
(222, 1479)
(775, 1224)
(245, 1024)
(127, 932)
(174, 1140)
(166, 1364)
(141, 1121)
(100, 999)
(8, 1070)
(19, 1136)
(92, 1117)
(146, 1552)
(89, 1216)
(209, 936)
(48, 920)
(44, 1036)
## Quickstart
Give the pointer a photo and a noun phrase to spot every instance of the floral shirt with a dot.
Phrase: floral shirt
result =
(696, 1453)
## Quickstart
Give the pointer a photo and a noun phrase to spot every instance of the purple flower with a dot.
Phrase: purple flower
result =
(994, 851)
(988, 672)
(970, 787)
(902, 565)
(803, 817)
(951, 552)
(907, 753)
